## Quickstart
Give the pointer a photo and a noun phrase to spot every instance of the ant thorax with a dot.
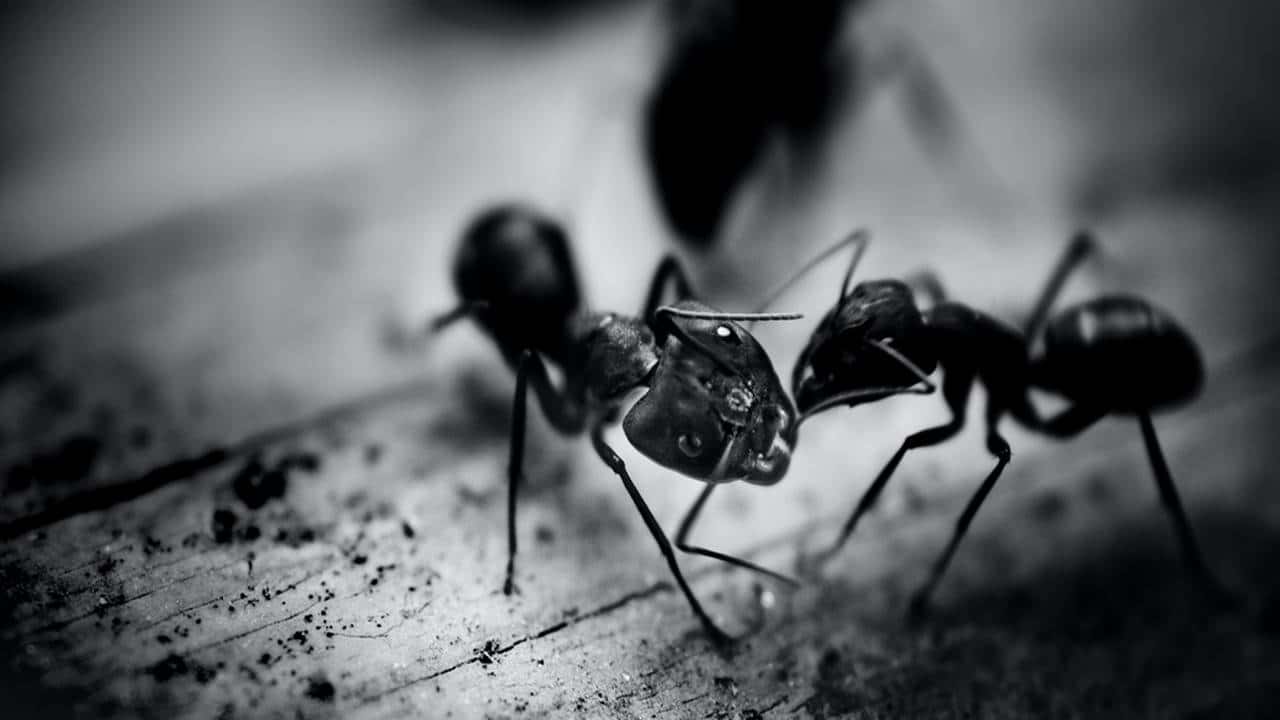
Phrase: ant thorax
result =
(715, 409)
(610, 355)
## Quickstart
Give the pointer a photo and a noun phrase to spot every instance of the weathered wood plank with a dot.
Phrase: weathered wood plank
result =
(370, 587)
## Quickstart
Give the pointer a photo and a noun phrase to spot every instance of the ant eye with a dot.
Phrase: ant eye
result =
(690, 445)
(724, 332)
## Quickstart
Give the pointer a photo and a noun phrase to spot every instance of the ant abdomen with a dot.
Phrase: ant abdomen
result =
(1119, 353)
(515, 268)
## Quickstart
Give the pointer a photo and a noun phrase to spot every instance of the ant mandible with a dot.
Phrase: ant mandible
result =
(876, 343)
(715, 409)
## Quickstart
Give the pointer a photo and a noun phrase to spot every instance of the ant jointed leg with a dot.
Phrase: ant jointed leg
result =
(715, 409)
(1117, 354)
(876, 343)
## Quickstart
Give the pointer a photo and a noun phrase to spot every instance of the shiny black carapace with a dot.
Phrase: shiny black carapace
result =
(715, 409)
(1115, 354)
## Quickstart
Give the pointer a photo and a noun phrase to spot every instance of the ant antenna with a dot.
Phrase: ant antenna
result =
(666, 312)
(466, 309)
(736, 317)
(859, 239)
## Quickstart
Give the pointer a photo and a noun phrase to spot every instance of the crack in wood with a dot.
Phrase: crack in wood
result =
(109, 495)
(636, 596)
(246, 633)
(111, 605)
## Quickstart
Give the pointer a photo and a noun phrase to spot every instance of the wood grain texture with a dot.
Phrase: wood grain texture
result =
(226, 493)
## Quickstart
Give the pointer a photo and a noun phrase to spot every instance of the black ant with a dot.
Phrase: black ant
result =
(737, 73)
(1100, 355)
(715, 409)
(743, 76)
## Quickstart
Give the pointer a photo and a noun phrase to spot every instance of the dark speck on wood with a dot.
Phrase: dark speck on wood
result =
(319, 688)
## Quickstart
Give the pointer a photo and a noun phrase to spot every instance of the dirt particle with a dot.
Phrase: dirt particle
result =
(255, 485)
(224, 523)
(407, 529)
(726, 684)
(168, 668)
(319, 688)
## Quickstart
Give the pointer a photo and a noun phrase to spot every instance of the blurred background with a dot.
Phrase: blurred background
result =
(220, 217)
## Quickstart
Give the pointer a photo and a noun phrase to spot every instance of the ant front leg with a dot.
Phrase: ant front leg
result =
(686, 528)
(1191, 555)
(956, 385)
(999, 447)
(669, 272)
(615, 463)
(564, 415)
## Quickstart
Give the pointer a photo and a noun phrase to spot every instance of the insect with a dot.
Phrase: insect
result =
(742, 78)
(876, 342)
(737, 73)
(715, 409)
(1118, 355)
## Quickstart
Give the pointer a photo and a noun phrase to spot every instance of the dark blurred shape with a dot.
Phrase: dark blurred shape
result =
(737, 72)
(496, 14)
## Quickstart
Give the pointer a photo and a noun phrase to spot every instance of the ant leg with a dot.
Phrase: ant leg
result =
(955, 388)
(611, 459)
(562, 414)
(669, 272)
(686, 527)
(858, 239)
(1080, 247)
(998, 447)
(1191, 555)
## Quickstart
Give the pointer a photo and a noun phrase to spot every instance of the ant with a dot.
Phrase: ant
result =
(737, 74)
(743, 78)
(1099, 355)
(715, 409)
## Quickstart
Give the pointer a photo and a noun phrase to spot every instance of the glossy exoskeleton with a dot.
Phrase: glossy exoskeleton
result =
(1118, 355)
(715, 409)
(876, 342)
(737, 72)
(742, 76)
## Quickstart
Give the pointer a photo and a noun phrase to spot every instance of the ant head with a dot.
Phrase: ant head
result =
(516, 261)
(619, 353)
(716, 409)
(842, 356)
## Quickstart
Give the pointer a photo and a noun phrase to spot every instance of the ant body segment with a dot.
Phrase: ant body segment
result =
(1099, 355)
(715, 409)
(1118, 355)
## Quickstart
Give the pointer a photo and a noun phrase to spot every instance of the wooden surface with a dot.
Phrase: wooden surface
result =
(149, 567)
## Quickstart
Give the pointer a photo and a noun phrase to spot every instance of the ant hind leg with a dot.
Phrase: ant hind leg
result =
(686, 528)
(610, 458)
(999, 447)
(1191, 555)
